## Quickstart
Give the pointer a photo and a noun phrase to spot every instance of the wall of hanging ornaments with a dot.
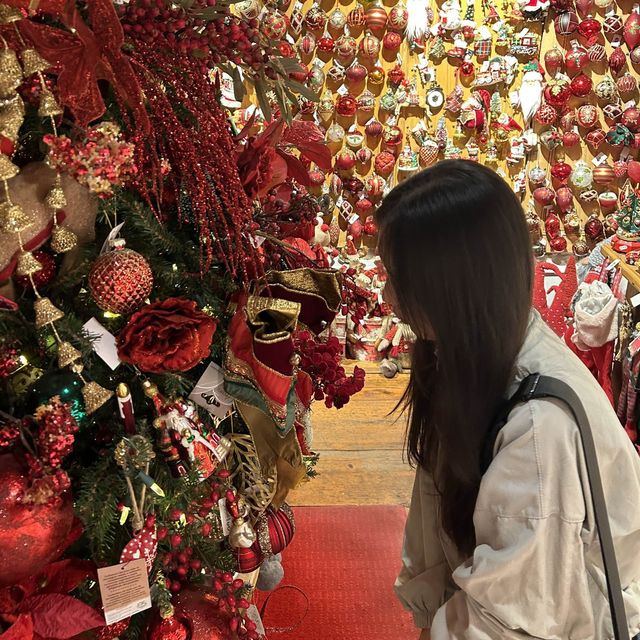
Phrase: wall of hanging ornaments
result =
(544, 91)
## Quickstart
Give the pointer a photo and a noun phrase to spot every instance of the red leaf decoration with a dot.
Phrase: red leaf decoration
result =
(64, 576)
(59, 616)
(317, 152)
(21, 629)
(295, 168)
(301, 131)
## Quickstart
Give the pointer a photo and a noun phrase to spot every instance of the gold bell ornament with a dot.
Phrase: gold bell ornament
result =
(46, 312)
(10, 71)
(12, 112)
(94, 396)
(13, 218)
(33, 62)
(67, 354)
(27, 264)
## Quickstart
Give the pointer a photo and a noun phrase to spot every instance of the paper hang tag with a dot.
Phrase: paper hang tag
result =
(254, 615)
(342, 90)
(600, 159)
(113, 234)
(634, 346)
(103, 343)
(225, 516)
(635, 302)
(124, 589)
(353, 218)
(209, 392)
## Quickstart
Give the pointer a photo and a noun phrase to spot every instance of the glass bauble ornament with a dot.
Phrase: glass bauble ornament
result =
(356, 17)
(376, 75)
(345, 48)
(537, 175)
(392, 41)
(325, 44)
(558, 92)
(564, 199)
(120, 280)
(346, 106)
(566, 23)
(584, 6)
(274, 25)
(335, 133)
(576, 59)
(597, 52)
(593, 228)
(345, 160)
(337, 19)
(31, 535)
(581, 85)
(631, 118)
(617, 60)
(307, 44)
(398, 17)
(605, 89)
(631, 29)
(613, 24)
(370, 46)
(366, 101)
(376, 17)
(581, 176)
(356, 72)
(553, 60)
(316, 18)
(626, 83)
(588, 116)
(590, 29)
(603, 174)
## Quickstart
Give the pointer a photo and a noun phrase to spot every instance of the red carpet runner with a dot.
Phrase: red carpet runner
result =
(345, 559)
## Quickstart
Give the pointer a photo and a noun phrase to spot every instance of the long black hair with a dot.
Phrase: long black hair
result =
(455, 244)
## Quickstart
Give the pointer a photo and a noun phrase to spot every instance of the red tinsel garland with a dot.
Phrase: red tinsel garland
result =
(191, 132)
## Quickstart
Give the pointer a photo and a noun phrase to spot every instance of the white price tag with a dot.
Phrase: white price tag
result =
(225, 516)
(353, 218)
(600, 159)
(113, 234)
(635, 301)
(124, 589)
(209, 392)
(103, 342)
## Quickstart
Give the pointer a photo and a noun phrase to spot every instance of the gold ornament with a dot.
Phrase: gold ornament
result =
(67, 354)
(76, 367)
(13, 218)
(7, 168)
(46, 312)
(11, 116)
(94, 396)
(10, 72)
(63, 239)
(9, 14)
(33, 62)
(55, 198)
(27, 264)
(48, 105)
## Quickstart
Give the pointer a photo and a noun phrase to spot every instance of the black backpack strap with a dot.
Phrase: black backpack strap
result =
(537, 386)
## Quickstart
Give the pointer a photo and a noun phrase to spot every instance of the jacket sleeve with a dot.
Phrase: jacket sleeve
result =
(527, 577)
(422, 585)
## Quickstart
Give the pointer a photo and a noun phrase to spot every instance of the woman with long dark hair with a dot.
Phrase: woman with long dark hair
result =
(508, 551)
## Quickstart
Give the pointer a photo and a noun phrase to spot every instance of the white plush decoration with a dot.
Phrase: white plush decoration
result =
(417, 20)
(530, 94)
(271, 573)
(321, 235)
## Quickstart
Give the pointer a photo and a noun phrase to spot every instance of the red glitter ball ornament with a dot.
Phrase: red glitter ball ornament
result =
(44, 276)
(316, 18)
(570, 138)
(120, 281)
(590, 29)
(626, 83)
(593, 228)
(595, 138)
(631, 30)
(31, 535)
(356, 17)
(286, 49)
(546, 114)
(364, 206)
(588, 116)
(392, 41)
(356, 72)
(561, 171)
(633, 171)
(552, 225)
(558, 244)
(617, 60)
(384, 163)
(613, 24)
(631, 119)
(581, 86)
(345, 48)
(172, 628)
(346, 106)
(325, 44)
(370, 227)
(374, 128)
(553, 60)
(544, 195)
(375, 185)
(557, 94)
(396, 75)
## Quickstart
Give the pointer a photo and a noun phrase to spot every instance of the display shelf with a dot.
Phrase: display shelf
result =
(630, 272)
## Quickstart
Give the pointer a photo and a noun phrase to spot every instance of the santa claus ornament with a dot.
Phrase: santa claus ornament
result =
(530, 92)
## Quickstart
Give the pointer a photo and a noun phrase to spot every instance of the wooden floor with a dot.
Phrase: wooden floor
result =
(361, 449)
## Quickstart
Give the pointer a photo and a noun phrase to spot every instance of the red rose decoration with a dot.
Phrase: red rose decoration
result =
(169, 335)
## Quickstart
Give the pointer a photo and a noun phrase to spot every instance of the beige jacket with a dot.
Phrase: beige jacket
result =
(537, 570)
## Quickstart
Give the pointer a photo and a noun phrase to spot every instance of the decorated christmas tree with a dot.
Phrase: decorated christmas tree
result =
(628, 216)
(165, 317)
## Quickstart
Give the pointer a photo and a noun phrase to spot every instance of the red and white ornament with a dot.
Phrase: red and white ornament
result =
(631, 119)
(376, 17)
(590, 29)
(274, 25)
(345, 48)
(581, 85)
(566, 23)
(604, 174)
(375, 185)
(631, 30)
(597, 52)
(626, 83)
(587, 116)
(370, 47)
(392, 40)
(307, 44)
(576, 59)
(617, 60)
(345, 160)
(356, 17)
(544, 195)
(398, 18)
(143, 545)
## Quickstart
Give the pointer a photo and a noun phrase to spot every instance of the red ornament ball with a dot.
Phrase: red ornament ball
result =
(384, 163)
(552, 225)
(376, 18)
(172, 628)
(274, 25)
(203, 620)
(626, 83)
(631, 119)
(370, 47)
(546, 114)
(346, 106)
(398, 18)
(564, 198)
(44, 276)
(593, 228)
(392, 41)
(617, 60)
(581, 86)
(370, 227)
(570, 138)
(120, 280)
(553, 60)
(544, 195)
(566, 23)
(604, 174)
(374, 128)
(325, 44)
(561, 171)
(356, 72)
(31, 535)
(576, 60)
(597, 52)
(364, 206)
(588, 116)
(356, 17)
(345, 160)
(558, 244)
(633, 171)
(589, 29)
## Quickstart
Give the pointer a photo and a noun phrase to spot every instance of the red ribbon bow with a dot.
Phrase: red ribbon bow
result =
(83, 56)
